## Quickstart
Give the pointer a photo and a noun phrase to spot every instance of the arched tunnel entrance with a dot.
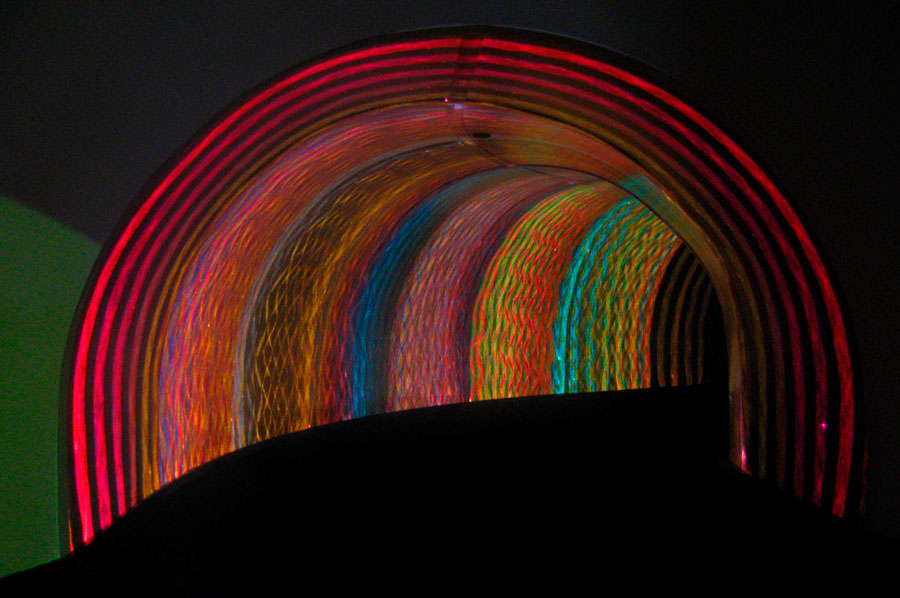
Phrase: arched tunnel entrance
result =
(451, 216)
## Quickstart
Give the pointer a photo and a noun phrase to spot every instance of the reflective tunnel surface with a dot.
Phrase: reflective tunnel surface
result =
(449, 218)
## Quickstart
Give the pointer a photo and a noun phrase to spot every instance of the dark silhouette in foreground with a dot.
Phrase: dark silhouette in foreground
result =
(543, 494)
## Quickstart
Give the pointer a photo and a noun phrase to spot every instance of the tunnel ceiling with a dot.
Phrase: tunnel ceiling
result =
(450, 216)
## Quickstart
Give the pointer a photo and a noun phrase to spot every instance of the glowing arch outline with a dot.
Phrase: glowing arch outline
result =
(716, 197)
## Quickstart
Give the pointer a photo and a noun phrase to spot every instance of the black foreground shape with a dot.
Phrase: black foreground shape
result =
(559, 494)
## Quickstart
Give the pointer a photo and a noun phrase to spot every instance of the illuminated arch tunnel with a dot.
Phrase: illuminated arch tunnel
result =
(450, 216)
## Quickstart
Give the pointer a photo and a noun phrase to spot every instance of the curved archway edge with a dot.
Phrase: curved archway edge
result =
(794, 415)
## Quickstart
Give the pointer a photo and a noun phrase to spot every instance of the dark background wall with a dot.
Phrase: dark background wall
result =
(95, 97)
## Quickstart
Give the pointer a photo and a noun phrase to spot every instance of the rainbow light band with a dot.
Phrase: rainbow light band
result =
(447, 216)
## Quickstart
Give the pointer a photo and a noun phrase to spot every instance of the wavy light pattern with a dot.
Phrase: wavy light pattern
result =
(451, 216)
(599, 344)
(520, 296)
